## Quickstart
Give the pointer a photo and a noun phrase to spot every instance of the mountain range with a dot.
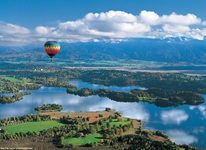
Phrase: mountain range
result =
(161, 50)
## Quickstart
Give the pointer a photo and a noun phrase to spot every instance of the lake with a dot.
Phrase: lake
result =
(184, 124)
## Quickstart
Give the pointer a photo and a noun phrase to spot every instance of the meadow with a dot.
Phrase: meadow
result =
(32, 126)
(91, 138)
(13, 79)
(115, 122)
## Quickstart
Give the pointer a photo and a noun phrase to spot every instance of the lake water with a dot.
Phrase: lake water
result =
(184, 124)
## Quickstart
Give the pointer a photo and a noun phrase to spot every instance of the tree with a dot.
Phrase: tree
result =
(92, 130)
(88, 118)
(38, 118)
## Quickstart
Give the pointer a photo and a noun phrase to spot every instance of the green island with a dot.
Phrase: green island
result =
(103, 129)
(159, 97)
(49, 107)
(11, 99)
(163, 89)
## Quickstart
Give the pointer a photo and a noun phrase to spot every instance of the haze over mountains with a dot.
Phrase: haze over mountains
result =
(161, 50)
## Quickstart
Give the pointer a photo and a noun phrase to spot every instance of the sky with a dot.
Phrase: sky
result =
(26, 22)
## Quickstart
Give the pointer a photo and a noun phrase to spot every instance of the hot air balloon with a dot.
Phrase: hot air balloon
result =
(51, 48)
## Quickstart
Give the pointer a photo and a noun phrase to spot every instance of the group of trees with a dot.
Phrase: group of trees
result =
(164, 89)
(14, 88)
(49, 107)
(8, 86)
(54, 82)
(78, 120)
(168, 81)
(159, 97)
(11, 99)
(60, 77)
(22, 119)
(31, 80)
(144, 142)
(114, 136)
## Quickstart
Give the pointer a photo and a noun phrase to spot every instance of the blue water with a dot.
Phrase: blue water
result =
(184, 124)
(6, 94)
(99, 86)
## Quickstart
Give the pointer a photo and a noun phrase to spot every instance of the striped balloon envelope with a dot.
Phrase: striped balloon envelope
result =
(52, 48)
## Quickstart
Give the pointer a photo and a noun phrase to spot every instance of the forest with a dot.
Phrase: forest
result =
(159, 97)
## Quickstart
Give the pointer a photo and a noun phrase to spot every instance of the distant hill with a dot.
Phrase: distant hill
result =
(161, 50)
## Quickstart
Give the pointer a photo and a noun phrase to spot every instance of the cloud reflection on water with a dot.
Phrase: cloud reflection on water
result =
(99, 86)
(199, 130)
(181, 137)
(174, 116)
(201, 108)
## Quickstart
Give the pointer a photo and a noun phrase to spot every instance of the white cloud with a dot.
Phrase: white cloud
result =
(109, 26)
(42, 30)
(13, 29)
(149, 17)
(180, 137)
(189, 19)
(196, 33)
(111, 16)
(179, 29)
(12, 34)
(174, 116)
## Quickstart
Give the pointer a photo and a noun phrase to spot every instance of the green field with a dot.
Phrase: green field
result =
(12, 79)
(96, 137)
(32, 126)
(116, 122)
